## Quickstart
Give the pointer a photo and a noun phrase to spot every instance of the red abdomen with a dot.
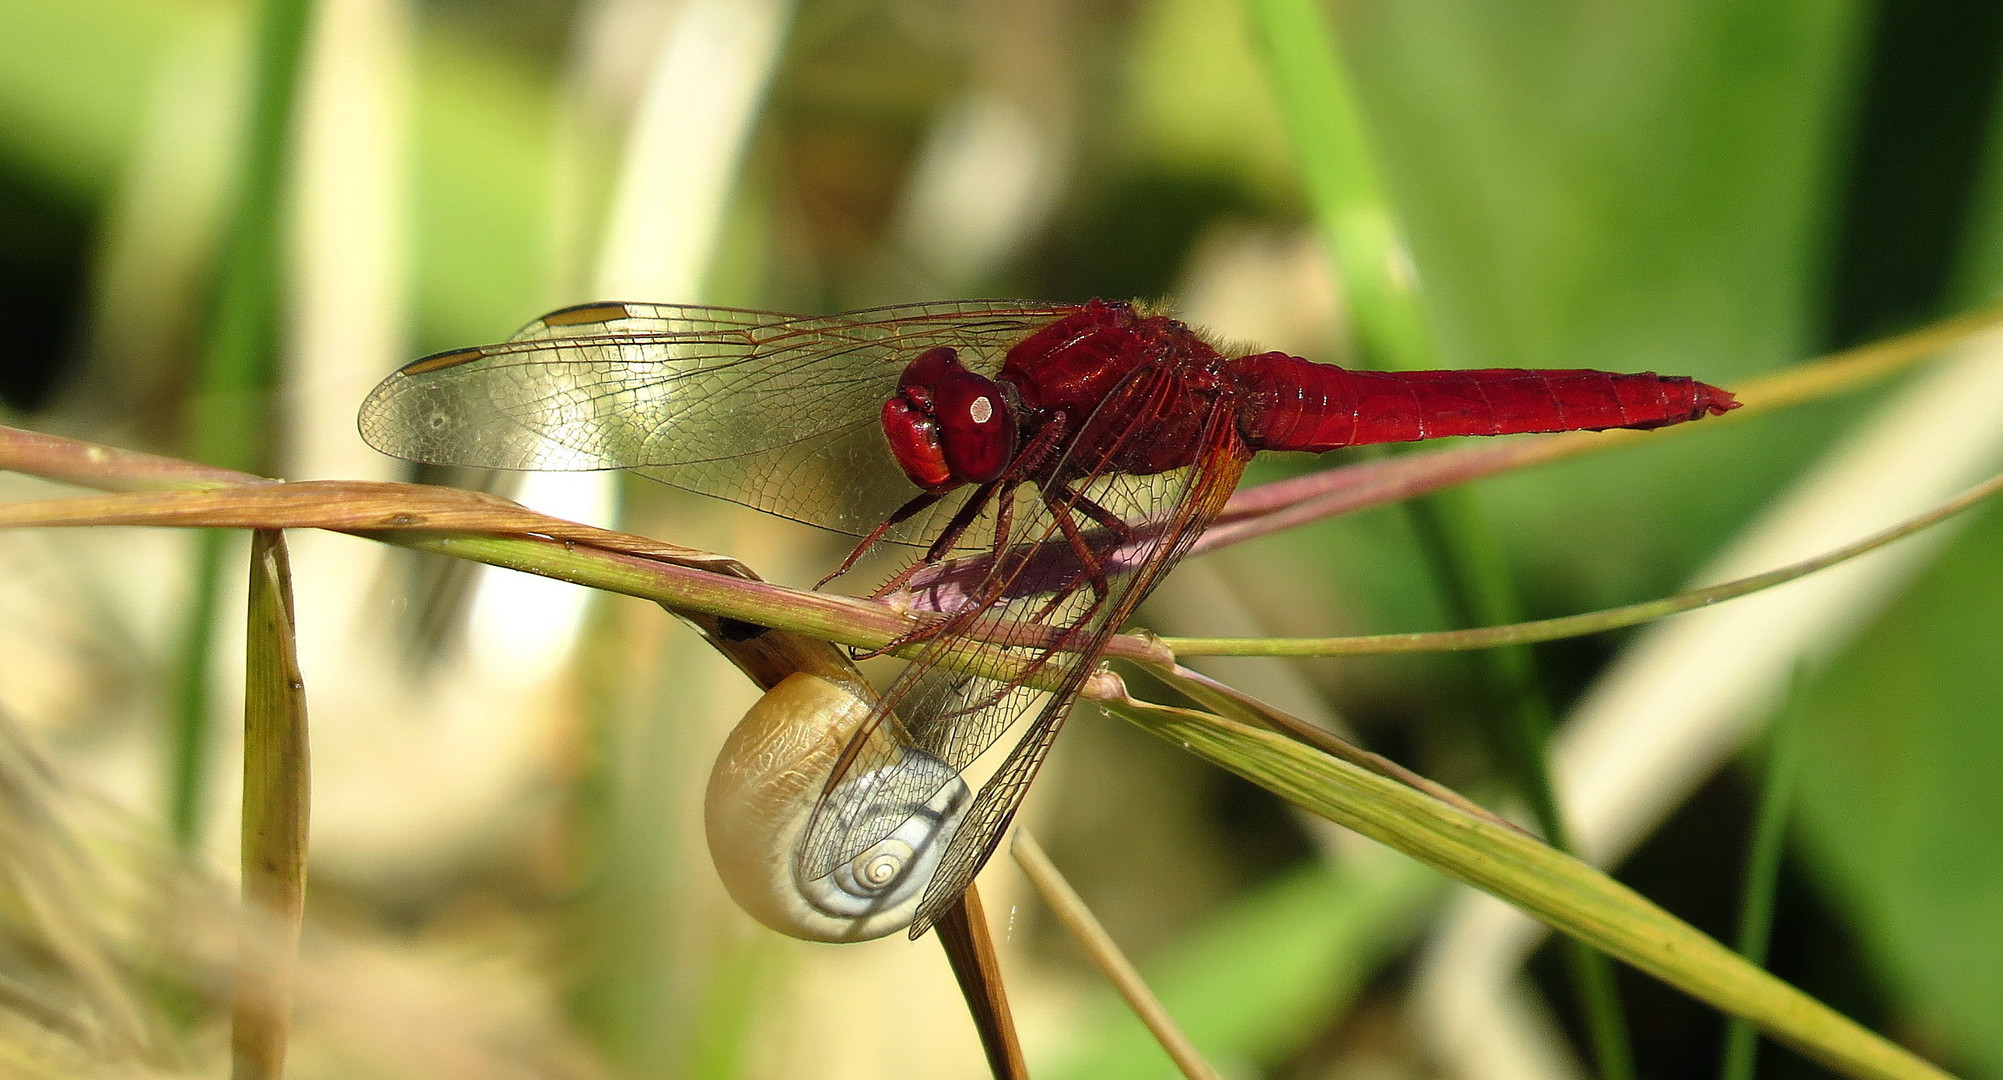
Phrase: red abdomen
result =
(1286, 403)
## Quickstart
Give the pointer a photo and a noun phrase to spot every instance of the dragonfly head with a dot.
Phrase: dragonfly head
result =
(948, 425)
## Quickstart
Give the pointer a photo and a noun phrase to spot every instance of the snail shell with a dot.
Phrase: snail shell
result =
(767, 780)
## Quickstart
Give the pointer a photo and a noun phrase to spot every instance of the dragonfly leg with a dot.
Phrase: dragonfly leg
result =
(1111, 522)
(1061, 500)
(1000, 572)
(1019, 470)
(992, 588)
(963, 519)
(904, 513)
(950, 624)
(1045, 442)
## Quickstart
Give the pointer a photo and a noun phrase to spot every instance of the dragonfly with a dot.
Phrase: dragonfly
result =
(1068, 453)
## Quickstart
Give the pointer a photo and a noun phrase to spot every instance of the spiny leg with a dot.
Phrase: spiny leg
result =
(963, 519)
(1038, 448)
(903, 513)
(1000, 572)
(1061, 500)
(1111, 522)
(992, 587)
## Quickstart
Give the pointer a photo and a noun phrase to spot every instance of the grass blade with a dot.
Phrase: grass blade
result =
(276, 785)
(1070, 910)
(1556, 888)
(1333, 154)
(238, 360)
(1763, 870)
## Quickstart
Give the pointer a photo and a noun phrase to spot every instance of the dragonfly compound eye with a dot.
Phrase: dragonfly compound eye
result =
(763, 791)
(977, 430)
(914, 442)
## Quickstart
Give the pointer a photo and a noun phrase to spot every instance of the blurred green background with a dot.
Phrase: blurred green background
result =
(1711, 187)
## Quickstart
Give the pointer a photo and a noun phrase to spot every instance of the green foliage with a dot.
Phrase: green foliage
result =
(1899, 804)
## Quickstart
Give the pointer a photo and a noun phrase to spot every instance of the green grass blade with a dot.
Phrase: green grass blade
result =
(1762, 880)
(1332, 152)
(1568, 895)
(238, 359)
(276, 784)
(1478, 592)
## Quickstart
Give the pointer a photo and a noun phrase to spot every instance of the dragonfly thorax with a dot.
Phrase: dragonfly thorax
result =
(1136, 392)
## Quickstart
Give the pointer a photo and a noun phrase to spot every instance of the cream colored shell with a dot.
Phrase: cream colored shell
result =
(766, 781)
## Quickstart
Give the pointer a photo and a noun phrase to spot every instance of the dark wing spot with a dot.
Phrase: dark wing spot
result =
(585, 313)
(440, 361)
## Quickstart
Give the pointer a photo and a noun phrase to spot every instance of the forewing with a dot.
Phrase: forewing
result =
(951, 716)
(778, 412)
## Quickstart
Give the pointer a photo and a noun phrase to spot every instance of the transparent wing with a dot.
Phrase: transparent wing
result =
(1048, 635)
(778, 412)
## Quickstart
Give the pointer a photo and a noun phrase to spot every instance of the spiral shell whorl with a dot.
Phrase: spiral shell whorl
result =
(762, 791)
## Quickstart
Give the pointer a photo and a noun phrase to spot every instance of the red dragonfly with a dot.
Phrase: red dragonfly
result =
(1099, 439)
